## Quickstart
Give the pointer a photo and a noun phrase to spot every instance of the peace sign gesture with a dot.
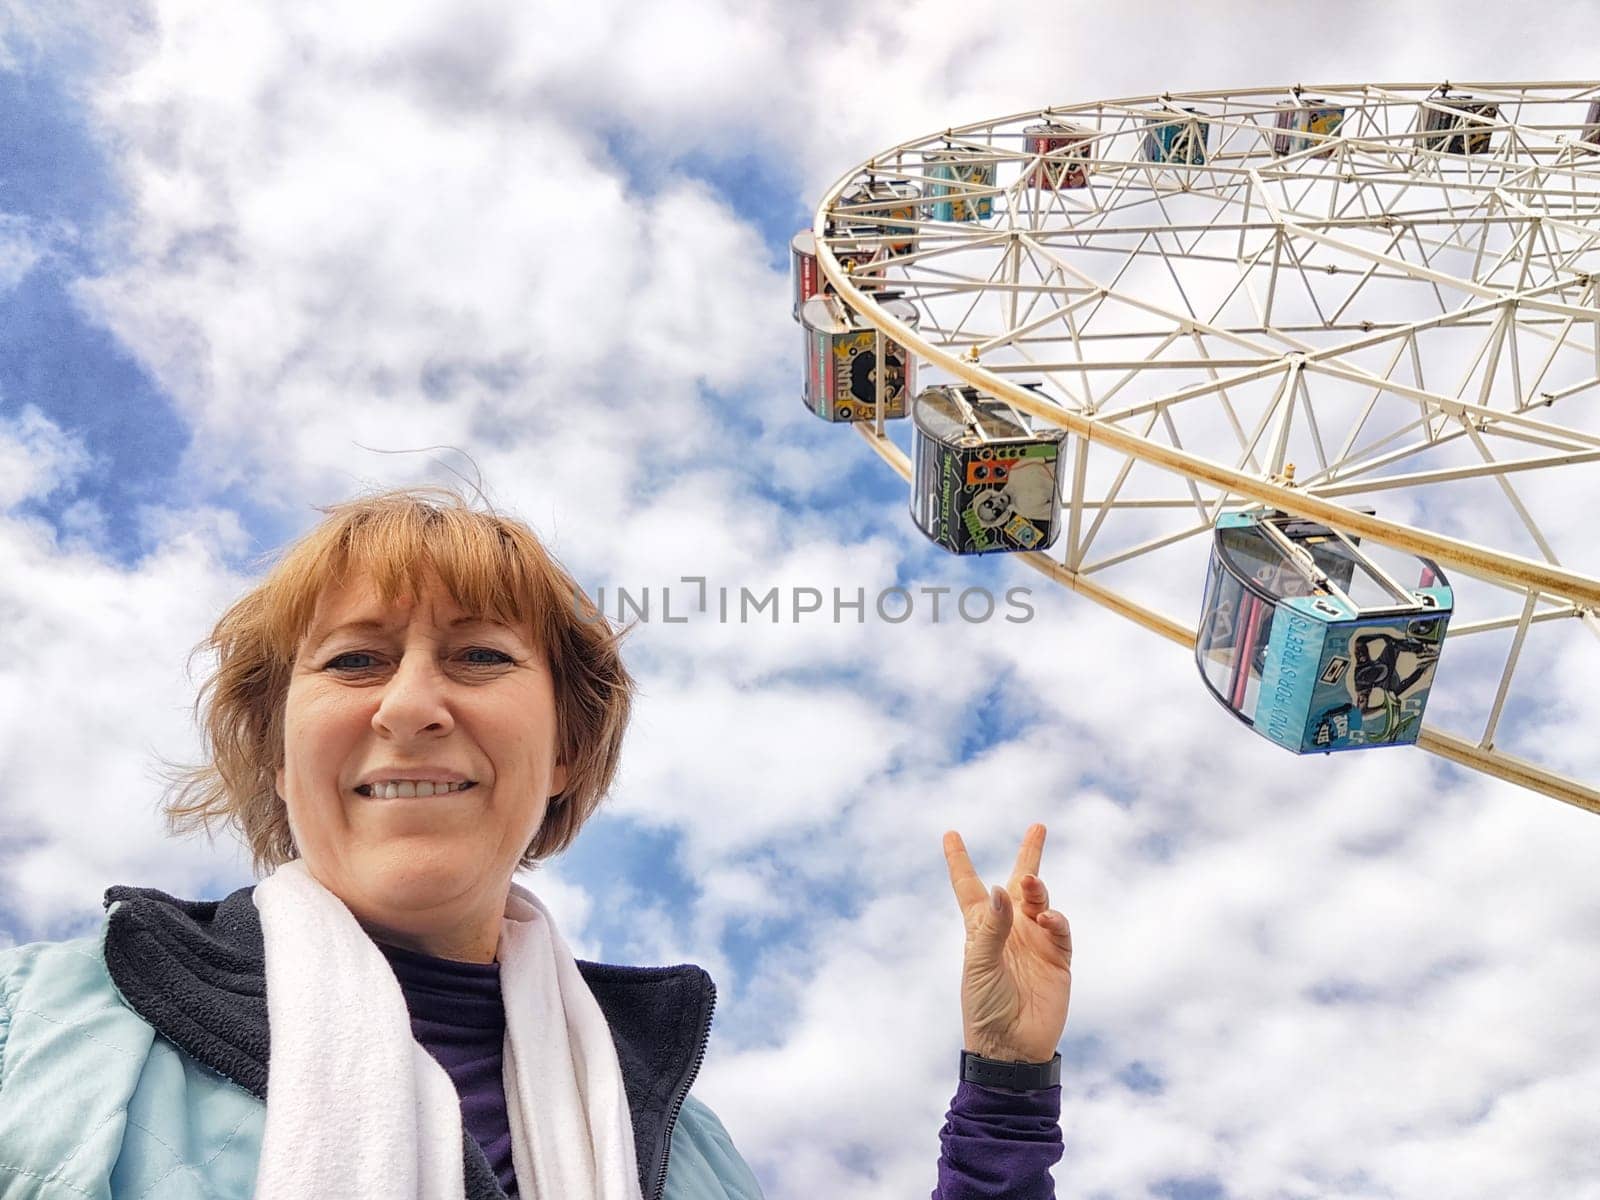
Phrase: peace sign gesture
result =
(1016, 977)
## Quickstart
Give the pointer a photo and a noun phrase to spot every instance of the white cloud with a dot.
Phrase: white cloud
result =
(93, 691)
(19, 251)
(37, 457)
(318, 239)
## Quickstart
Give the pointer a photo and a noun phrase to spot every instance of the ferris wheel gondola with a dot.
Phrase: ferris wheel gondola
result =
(1307, 123)
(1458, 124)
(1179, 139)
(985, 479)
(1312, 642)
(1064, 159)
(960, 183)
(847, 377)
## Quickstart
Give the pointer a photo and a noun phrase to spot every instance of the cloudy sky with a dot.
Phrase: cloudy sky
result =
(260, 256)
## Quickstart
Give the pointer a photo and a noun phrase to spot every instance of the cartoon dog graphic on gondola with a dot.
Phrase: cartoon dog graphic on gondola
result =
(1388, 667)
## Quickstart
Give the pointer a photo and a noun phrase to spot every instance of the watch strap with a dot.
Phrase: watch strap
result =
(1019, 1076)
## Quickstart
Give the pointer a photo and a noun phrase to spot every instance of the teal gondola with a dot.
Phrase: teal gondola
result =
(960, 183)
(1306, 638)
(1179, 139)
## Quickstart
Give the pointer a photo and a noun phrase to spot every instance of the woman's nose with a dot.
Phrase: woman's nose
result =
(415, 701)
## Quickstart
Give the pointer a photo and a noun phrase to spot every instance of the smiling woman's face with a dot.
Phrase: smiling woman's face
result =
(418, 693)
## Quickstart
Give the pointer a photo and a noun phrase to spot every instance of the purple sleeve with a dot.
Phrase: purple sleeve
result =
(999, 1145)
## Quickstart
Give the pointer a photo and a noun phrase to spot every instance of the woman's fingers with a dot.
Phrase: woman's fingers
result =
(1035, 896)
(1025, 887)
(1060, 931)
(1029, 856)
(964, 880)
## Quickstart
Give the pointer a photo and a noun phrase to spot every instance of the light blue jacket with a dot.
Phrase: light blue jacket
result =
(133, 1064)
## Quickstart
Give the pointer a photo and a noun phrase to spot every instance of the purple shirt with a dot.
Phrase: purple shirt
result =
(456, 1012)
(994, 1143)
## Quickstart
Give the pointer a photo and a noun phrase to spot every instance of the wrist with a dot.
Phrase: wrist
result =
(1006, 1051)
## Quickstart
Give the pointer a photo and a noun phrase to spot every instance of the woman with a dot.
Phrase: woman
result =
(405, 710)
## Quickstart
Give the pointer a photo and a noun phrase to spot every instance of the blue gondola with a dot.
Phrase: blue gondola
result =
(961, 183)
(1179, 138)
(1308, 640)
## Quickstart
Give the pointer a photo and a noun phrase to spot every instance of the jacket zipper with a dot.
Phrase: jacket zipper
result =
(679, 1097)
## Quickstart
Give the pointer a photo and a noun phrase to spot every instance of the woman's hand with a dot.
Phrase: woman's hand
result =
(1016, 978)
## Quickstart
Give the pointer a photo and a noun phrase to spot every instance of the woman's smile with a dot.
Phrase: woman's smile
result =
(407, 789)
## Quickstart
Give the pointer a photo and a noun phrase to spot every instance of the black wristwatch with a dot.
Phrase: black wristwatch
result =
(1018, 1076)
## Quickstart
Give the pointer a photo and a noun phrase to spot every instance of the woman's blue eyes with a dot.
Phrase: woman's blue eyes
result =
(491, 658)
(333, 663)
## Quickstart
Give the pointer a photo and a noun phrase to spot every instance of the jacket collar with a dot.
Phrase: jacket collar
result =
(196, 971)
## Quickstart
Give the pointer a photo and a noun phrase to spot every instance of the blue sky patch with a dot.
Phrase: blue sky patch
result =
(1137, 1077)
(54, 176)
(758, 188)
(1205, 1187)
(1341, 991)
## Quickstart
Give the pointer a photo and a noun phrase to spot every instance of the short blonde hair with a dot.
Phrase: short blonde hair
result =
(490, 564)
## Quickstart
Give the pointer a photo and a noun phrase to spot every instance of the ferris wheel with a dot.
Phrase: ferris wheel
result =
(1306, 380)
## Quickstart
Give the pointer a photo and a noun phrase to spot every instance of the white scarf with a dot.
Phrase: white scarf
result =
(357, 1108)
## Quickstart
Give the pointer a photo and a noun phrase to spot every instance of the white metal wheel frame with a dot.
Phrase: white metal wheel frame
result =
(1410, 319)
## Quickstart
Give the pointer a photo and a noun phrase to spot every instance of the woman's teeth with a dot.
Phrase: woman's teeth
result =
(407, 789)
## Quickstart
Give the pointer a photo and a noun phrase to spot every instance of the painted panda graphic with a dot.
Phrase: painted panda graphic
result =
(1028, 492)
